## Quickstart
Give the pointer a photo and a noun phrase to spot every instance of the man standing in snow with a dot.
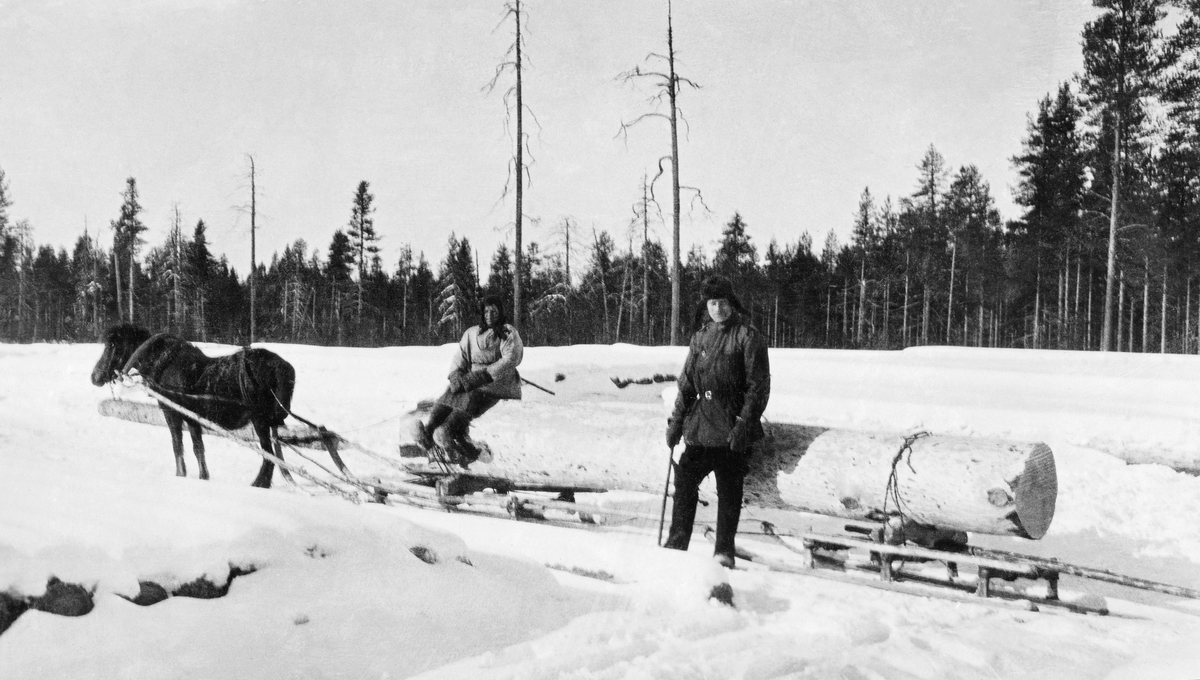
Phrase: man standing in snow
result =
(483, 371)
(723, 390)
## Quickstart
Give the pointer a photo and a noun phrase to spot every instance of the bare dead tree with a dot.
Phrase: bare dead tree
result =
(23, 231)
(253, 258)
(668, 84)
(518, 171)
(565, 235)
(177, 269)
(641, 222)
(252, 209)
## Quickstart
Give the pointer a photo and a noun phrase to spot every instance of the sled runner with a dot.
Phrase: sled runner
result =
(455, 481)
(430, 486)
(440, 458)
(993, 577)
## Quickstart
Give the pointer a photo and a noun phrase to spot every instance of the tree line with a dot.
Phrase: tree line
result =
(1103, 256)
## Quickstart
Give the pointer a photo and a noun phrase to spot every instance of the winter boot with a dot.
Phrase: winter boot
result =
(724, 559)
(452, 437)
(420, 435)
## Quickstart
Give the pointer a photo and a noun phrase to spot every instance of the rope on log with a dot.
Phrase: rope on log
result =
(892, 493)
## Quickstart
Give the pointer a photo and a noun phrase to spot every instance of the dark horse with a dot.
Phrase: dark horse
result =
(252, 385)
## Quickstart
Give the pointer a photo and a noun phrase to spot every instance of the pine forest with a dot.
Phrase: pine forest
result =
(1105, 254)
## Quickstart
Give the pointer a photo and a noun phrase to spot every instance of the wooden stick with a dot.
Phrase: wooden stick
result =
(530, 382)
(662, 516)
(903, 551)
(1090, 573)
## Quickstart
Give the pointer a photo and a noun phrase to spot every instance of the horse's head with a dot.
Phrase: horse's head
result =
(119, 344)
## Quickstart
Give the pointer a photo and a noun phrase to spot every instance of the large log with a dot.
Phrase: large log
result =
(149, 413)
(615, 441)
(981, 485)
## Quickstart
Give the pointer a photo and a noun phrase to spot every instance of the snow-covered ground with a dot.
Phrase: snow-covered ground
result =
(387, 591)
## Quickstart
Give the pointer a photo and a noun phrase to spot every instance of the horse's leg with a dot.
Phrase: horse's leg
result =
(263, 480)
(198, 447)
(279, 454)
(175, 425)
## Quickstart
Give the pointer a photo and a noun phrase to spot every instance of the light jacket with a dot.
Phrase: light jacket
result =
(483, 349)
(726, 376)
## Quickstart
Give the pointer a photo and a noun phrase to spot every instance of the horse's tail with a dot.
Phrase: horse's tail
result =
(272, 379)
(285, 385)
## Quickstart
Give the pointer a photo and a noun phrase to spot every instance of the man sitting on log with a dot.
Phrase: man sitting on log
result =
(723, 390)
(483, 371)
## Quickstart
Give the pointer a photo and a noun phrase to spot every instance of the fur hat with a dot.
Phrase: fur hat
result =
(719, 287)
(497, 302)
(492, 301)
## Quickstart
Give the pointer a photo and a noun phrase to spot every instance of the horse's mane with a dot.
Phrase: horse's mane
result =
(126, 332)
(162, 350)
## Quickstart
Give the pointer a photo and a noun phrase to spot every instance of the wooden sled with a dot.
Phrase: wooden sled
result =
(994, 577)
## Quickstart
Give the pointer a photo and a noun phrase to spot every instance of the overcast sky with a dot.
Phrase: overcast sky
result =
(802, 104)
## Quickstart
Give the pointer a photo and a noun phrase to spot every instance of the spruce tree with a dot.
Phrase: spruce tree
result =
(736, 257)
(337, 271)
(363, 239)
(500, 279)
(930, 236)
(457, 299)
(127, 230)
(866, 242)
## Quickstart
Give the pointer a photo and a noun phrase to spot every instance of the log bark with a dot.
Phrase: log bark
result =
(986, 486)
(149, 413)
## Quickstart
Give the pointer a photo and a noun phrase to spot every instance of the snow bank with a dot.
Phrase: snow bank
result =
(346, 590)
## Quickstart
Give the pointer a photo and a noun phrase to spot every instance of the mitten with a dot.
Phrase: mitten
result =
(457, 382)
(737, 436)
(674, 432)
(476, 379)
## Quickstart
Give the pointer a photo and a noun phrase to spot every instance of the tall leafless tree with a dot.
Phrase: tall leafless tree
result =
(668, 83)
(518, 171)
(641, 222)
(253, 255)
(177, 269)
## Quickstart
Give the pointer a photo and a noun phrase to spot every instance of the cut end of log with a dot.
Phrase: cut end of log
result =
(1037, 491)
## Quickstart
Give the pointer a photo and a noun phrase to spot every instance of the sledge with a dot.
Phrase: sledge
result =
(452, 487)
(461, 482)
(994, 577)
